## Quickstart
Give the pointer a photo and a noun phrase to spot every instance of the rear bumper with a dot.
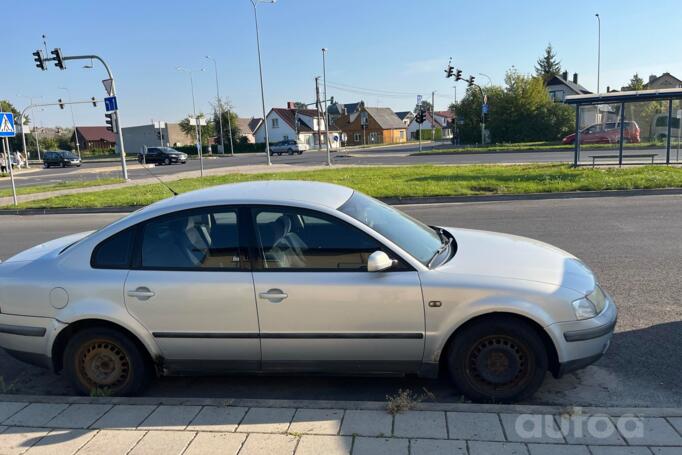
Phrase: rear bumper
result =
(29, 338)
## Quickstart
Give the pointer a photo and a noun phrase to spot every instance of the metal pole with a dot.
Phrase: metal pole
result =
(220, 108)
(420, 137)
(35, 135)
(196, 124)
(11, 172)
(598, 49)
(262, 90)
(23, 137)
(576, 158)
(679, 130)
(326, 114)
(319, 118)
(622, 134)
(670, 121)
(433, 119)
(124, 167)
(73, 121)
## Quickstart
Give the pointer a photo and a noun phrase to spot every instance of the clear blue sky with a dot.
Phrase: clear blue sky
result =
(394, 48)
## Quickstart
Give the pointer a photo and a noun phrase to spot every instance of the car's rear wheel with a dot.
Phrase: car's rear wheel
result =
(105, 361)
(497, 360)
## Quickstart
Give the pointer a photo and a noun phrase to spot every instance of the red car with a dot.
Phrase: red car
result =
(606, 133)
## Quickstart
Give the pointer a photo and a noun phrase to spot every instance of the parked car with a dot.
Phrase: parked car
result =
(300, 276)
(288, 146)
(162, 155)
(60, 158)
(659, 127)
(606, 133)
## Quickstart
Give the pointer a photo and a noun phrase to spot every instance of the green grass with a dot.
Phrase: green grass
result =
(406, 181)
(542, 146)
(65, 185)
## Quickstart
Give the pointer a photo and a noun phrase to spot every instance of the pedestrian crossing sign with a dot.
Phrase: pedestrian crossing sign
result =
(7, 124)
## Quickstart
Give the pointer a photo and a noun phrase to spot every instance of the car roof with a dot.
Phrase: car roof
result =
(276, 192)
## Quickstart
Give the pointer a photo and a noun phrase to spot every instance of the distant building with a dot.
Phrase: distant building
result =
(136, 138)
(559, 87)
(336, 110)
(95, 137)
(665, 80)
(372, 125)
(441, 121)
(405, 116)
(299, 124)
(247, 128)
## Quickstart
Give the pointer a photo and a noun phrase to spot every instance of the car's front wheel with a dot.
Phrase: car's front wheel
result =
(497, 360)
(105, 361)
(167, 161)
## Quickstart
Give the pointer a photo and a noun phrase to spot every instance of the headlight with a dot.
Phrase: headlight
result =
(584, 309)
(598, 298)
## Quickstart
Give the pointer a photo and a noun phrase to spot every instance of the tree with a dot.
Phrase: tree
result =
(425, 105)
(636, 83)
(300, 105)
(227, 111)
(520, 111)
(548, 66)
(6, 106)
(190, 130)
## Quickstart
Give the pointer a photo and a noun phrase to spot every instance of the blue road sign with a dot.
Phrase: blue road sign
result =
(484, 108)
(7, 128)
(110, 104)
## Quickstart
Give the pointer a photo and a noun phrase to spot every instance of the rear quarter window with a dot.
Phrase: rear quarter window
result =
(114, 252)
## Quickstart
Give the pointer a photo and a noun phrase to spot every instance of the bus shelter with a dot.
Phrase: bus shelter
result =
(631, 127)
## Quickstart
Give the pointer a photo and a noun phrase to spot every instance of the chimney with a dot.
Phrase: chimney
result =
(652, 77)
(564, 75)
(608, 89)
(291, 105)
(575, 78)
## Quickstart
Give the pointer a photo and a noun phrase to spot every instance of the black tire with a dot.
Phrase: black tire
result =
(63, 164)
(279, 153)
(499, 360)
(300, 152)
(123, 369)
(290, 151)
(167, 162)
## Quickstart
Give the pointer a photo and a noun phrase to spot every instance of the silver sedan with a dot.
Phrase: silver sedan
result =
(305, 277)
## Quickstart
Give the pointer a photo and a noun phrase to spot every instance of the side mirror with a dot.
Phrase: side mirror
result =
(378, 262)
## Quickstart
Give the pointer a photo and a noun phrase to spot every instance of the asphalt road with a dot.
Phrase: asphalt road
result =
(398, 155)
(632, 243)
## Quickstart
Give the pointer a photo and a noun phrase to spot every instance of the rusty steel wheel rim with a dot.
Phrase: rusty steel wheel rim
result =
(103, 364)
(499, 363)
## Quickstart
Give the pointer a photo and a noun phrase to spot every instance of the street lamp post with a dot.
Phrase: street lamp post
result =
(196, 120)
(73, 121)
(260, 70)
(326, 114)
(220, 108)
(490, 81)
(23, 130)
(598, 49)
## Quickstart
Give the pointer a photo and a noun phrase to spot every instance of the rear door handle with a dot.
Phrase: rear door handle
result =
(142, 293)
(273, 295)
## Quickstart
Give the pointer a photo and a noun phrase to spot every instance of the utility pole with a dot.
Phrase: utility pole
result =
(326, 114)
(598, 48)
(196, 119)
(319, 118)
(220, 107)
(433, 119)
(73, 121)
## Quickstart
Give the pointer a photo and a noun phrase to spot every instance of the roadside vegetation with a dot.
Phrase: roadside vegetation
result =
(65, 185)
(405, 181)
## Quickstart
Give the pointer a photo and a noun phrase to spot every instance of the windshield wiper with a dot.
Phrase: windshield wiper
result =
(447, 241)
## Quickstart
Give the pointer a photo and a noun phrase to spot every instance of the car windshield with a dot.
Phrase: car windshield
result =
(413, 236)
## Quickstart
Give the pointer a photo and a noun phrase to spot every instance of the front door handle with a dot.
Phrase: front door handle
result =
(142, 293)
(273, 295)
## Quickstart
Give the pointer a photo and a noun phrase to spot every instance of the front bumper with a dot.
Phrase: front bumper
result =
(581, 343)
(29, 338)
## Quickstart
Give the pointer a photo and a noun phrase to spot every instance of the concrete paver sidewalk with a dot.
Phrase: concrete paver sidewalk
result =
(120, 426)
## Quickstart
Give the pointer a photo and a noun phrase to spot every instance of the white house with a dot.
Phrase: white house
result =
(300, 124)
(441, 120)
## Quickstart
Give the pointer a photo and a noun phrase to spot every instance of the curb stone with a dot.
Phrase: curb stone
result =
(347, 405)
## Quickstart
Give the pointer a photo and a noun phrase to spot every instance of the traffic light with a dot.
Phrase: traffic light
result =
(111, 122)
(420, 117)
(39, 58)
(471, 80)
(94, 102)
(58, 58)
(61, 103)
(458, 75)
(449, 71)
